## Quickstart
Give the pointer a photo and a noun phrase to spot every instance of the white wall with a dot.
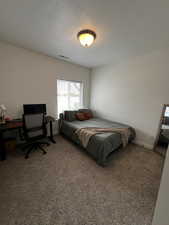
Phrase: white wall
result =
(133, 93)
(161, 215)
(29, 77)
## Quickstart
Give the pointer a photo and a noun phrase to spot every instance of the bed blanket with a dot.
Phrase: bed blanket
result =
(84, 134)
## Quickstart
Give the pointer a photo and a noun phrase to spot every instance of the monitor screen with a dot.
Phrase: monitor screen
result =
(34, 108)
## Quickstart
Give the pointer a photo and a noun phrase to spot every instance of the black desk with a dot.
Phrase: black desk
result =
(11, 125)
(18, 125)
(50, 120)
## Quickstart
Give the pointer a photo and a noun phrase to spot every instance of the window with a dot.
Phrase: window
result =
(166, 112)
(69, 95)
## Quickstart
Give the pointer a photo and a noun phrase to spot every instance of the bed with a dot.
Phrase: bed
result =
(100, 146)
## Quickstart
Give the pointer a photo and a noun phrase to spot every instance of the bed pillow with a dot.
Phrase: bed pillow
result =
(70, 115)
(84, 110)
(88, 115)
(80, 116)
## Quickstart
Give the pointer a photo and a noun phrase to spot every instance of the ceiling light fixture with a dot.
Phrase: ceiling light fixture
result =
(86, 37)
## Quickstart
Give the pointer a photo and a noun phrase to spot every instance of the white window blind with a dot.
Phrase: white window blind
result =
(69, 95)
(167, 112)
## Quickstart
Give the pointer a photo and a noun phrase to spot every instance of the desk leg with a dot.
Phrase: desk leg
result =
(51, 133)
(2, 149)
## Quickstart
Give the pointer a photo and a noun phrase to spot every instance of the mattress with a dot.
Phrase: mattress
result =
(100, 146)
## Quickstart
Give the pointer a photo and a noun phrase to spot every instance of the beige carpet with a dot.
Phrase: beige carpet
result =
(66, 187)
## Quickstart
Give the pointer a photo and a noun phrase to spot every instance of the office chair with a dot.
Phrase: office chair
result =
(34, 129)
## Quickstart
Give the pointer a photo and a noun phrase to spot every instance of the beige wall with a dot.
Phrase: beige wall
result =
(161, 215)
(29, 77)
(133, 93)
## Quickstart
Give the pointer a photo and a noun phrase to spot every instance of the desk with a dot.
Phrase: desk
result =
(11, 125)
(18, 125)
(50, 120)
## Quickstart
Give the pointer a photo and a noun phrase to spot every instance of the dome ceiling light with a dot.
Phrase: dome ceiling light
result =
(86, 37)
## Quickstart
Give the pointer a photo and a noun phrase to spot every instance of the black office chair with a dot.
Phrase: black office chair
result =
(35, 132)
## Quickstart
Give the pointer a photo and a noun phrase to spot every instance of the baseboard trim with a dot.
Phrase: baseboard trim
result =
(143, 144)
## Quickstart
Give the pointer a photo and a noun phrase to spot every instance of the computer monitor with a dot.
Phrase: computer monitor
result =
(34, 108)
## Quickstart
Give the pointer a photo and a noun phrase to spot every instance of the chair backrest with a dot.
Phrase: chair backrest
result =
(34, 125)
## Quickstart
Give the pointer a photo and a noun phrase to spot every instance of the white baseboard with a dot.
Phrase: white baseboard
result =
(143, 144)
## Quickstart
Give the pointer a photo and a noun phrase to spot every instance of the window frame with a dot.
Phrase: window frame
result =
(73, 81)
(165, 111)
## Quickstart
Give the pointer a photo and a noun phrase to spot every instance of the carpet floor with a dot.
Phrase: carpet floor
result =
(67, 187)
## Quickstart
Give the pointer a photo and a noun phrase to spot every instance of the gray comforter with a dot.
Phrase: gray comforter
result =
(100, 146)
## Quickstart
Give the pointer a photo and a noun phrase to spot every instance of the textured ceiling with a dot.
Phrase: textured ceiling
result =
(125, 28)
